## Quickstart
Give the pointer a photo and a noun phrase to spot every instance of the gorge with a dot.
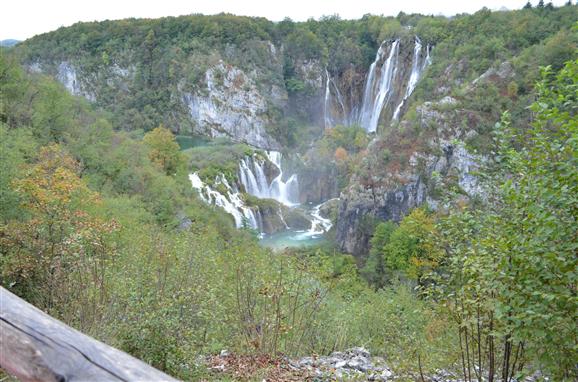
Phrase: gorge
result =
(233, 198)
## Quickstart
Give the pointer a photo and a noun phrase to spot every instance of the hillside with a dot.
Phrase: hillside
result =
(183, 186)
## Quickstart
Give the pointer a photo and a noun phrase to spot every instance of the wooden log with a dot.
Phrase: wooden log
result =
(36, 347)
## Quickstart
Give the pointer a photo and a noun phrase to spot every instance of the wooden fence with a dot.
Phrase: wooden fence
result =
(37, 347)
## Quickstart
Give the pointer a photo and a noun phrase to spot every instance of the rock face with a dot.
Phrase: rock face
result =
(359, 207)
(242, 91)
(444, 163)
(231, 106)
(318, 185)
(67, 75)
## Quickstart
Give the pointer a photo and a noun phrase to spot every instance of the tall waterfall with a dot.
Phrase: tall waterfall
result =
(384, 87)
(252, 176)
(331, 114)
(417, 69)
(231, 202)
(378, 87)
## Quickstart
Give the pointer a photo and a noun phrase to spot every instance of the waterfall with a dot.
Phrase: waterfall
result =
(416, 71)
(252, 176)
(384, 79)
(231, 202)
(339, 98)
(378, 87)
(284, 192)
(327, 103)
(331, 116)
(319, 225)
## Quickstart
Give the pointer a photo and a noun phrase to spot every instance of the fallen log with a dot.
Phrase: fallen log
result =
(36, 347)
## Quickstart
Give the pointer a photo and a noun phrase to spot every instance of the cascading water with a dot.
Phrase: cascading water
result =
(252, 176)
(378, 87)
(231, 202)
(384, 80)
(331, 114)
(416, 72)
(286, 192)
(327, 103)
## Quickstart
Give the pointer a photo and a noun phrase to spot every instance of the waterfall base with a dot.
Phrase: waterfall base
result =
(315, 235)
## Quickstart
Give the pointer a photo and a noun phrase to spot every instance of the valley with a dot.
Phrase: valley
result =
(232, 198)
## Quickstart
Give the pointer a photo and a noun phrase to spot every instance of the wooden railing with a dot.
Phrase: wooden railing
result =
(37, 347)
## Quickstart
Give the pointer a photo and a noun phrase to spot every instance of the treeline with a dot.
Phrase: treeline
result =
(162, 57)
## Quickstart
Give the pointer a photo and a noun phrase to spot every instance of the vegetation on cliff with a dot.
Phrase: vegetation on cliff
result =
(99, 225)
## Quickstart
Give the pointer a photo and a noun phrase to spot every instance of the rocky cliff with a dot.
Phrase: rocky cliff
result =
(431, 154)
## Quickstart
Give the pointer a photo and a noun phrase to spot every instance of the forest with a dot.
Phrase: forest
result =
(101, 229)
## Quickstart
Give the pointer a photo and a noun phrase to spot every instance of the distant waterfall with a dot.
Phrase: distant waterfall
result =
(327, 103)
(332, 115)
(231, 202)
(378, 87)
(417, 69)
(252, 176)
(383, 88)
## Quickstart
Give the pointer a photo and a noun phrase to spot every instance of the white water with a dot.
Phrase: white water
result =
(416, 72)
(378, 87)
(333, 116)
(231, 202)
(315, 234)
(327, 103)
(319, 224)
(252, 176)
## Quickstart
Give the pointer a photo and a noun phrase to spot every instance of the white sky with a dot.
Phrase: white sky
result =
(21, 19)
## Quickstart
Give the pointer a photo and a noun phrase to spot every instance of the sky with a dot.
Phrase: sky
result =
(21, 19)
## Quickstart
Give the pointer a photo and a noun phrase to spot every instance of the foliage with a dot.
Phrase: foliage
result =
(409, 250)
(60, 240)
(374, 269)
(164, 149)
(512, 269)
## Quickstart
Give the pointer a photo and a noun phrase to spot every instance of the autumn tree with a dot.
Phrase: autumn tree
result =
(163, 149)
(56, 254)
(340, 154)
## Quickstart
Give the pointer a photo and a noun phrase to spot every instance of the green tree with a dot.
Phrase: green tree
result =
(512, 268)
(56, 257)
(412, 248)
(374, 269)
(164, 150)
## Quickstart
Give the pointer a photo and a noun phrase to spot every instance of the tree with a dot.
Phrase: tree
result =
(60, 242)
(528, 5)
(340, 154)
(540, 4)
(164, 150)
(374, 270)
(512, 265)
(412, 248)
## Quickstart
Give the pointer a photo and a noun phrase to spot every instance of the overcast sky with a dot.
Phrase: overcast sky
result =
(21, 19)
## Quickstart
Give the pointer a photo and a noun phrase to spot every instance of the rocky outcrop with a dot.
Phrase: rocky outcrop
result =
(67, 75)
(232, 106)
(318, 185)
(360, 207)
(443, 163)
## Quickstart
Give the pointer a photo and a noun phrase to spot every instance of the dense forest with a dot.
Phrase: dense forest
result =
(100, 227)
